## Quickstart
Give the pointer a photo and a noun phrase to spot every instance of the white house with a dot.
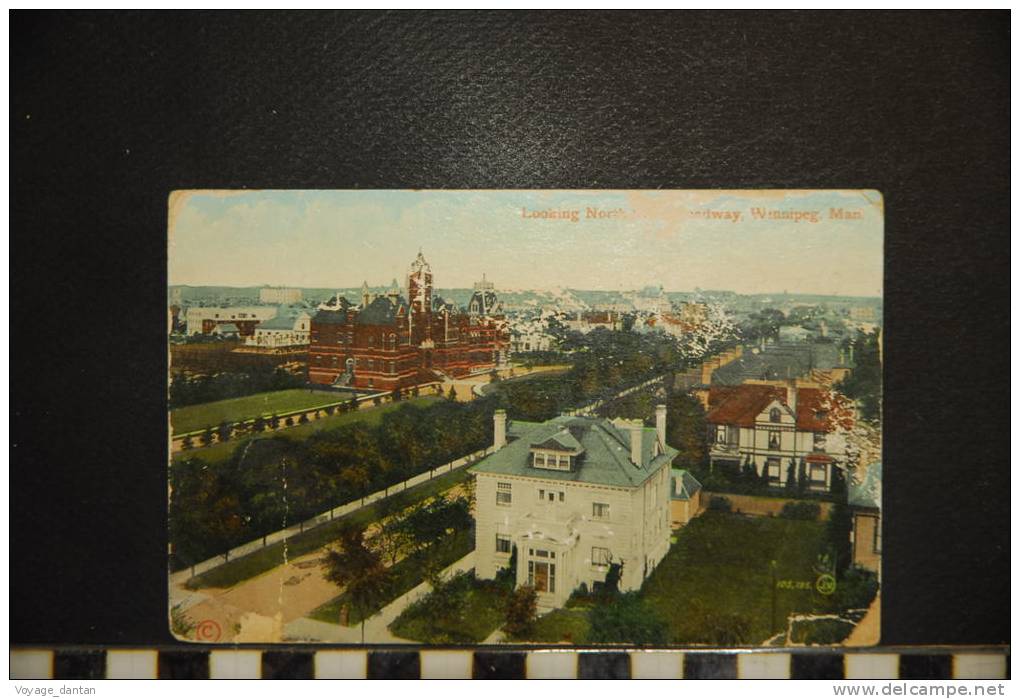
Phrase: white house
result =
(773, 427)
(573, 496)
(285, 330)
(203, 319)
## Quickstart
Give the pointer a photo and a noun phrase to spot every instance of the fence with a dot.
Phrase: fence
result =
(324, 517)
(241, 427)
(763, 505)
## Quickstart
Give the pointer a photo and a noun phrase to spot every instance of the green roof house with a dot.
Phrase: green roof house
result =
(574, 495)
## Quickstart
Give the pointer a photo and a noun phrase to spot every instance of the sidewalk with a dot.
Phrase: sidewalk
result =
(376, 628)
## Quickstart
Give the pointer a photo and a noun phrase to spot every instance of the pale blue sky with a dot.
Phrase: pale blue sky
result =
(340, 238)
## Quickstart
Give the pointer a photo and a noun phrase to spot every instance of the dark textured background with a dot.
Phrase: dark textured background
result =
(111, 111)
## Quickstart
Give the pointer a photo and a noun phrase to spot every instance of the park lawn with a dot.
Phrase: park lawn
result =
(480, 613)
(407, 575)
(717, 574)
(367, 415)
(198, 417)
(269, 557)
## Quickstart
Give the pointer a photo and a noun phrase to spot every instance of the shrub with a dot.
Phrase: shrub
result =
(856, 588)
(720, 504)
(627, 619)
(521, 610)
(186, 443)
(288, 421)
(808, 511)
(303, 419)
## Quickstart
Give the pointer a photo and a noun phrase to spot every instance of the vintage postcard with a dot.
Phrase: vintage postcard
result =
(526, 417)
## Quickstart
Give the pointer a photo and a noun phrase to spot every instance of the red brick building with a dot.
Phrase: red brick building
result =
(390, 342)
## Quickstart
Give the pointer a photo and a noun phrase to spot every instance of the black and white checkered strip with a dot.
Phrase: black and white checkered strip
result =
(178, 663)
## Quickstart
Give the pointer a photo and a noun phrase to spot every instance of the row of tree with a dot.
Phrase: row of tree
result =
(191, 390)
(273, 482)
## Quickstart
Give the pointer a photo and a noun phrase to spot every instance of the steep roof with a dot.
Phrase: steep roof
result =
(605, 460)
(382, 311)
(741, 405)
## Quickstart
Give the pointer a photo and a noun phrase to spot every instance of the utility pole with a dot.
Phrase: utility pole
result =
(772, 616)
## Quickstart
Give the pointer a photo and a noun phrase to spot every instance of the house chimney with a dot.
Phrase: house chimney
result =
(636, 428)
(660, 423)
(791, 396)
(498, 429)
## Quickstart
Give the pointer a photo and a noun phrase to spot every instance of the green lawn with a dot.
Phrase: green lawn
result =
(407, 574)
(716, 578)
(198, 417)
(479, 613)
(567, 625)
(368, 415)
(265, 559)
(715, 582)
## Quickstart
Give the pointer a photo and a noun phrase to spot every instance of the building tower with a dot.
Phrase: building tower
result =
(419, 296)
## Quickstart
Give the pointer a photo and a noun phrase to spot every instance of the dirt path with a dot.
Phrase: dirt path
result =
(463, 388)
(257, 610)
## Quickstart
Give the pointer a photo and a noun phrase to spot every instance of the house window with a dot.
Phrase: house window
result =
(720, 434)
(876, 542)
(600, 556)
(775, 415)
(599, 510)
(539, 460)
(772, 468)
(503, 544)
(817, 476)
(773, 439)
(503, 495)
(819, 441)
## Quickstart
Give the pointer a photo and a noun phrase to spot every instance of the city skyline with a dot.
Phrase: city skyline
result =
(760, 242)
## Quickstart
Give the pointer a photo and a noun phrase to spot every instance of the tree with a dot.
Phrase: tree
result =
(258, 425)
(686, 431)
(791, 477)
(508, 576)
(838, 486)
(520, 612)
(493, 376)
(353, 405)
(303, 419)
(395, 396)
(207, 436)
(452, 395)
(611, 586)
(864, 383)
(749, 475)
(224, 431)
(627, 619)
(360, 571)
(288, 421)
(274, 422)
(802, 479)
(837, 531)
(186, 443)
